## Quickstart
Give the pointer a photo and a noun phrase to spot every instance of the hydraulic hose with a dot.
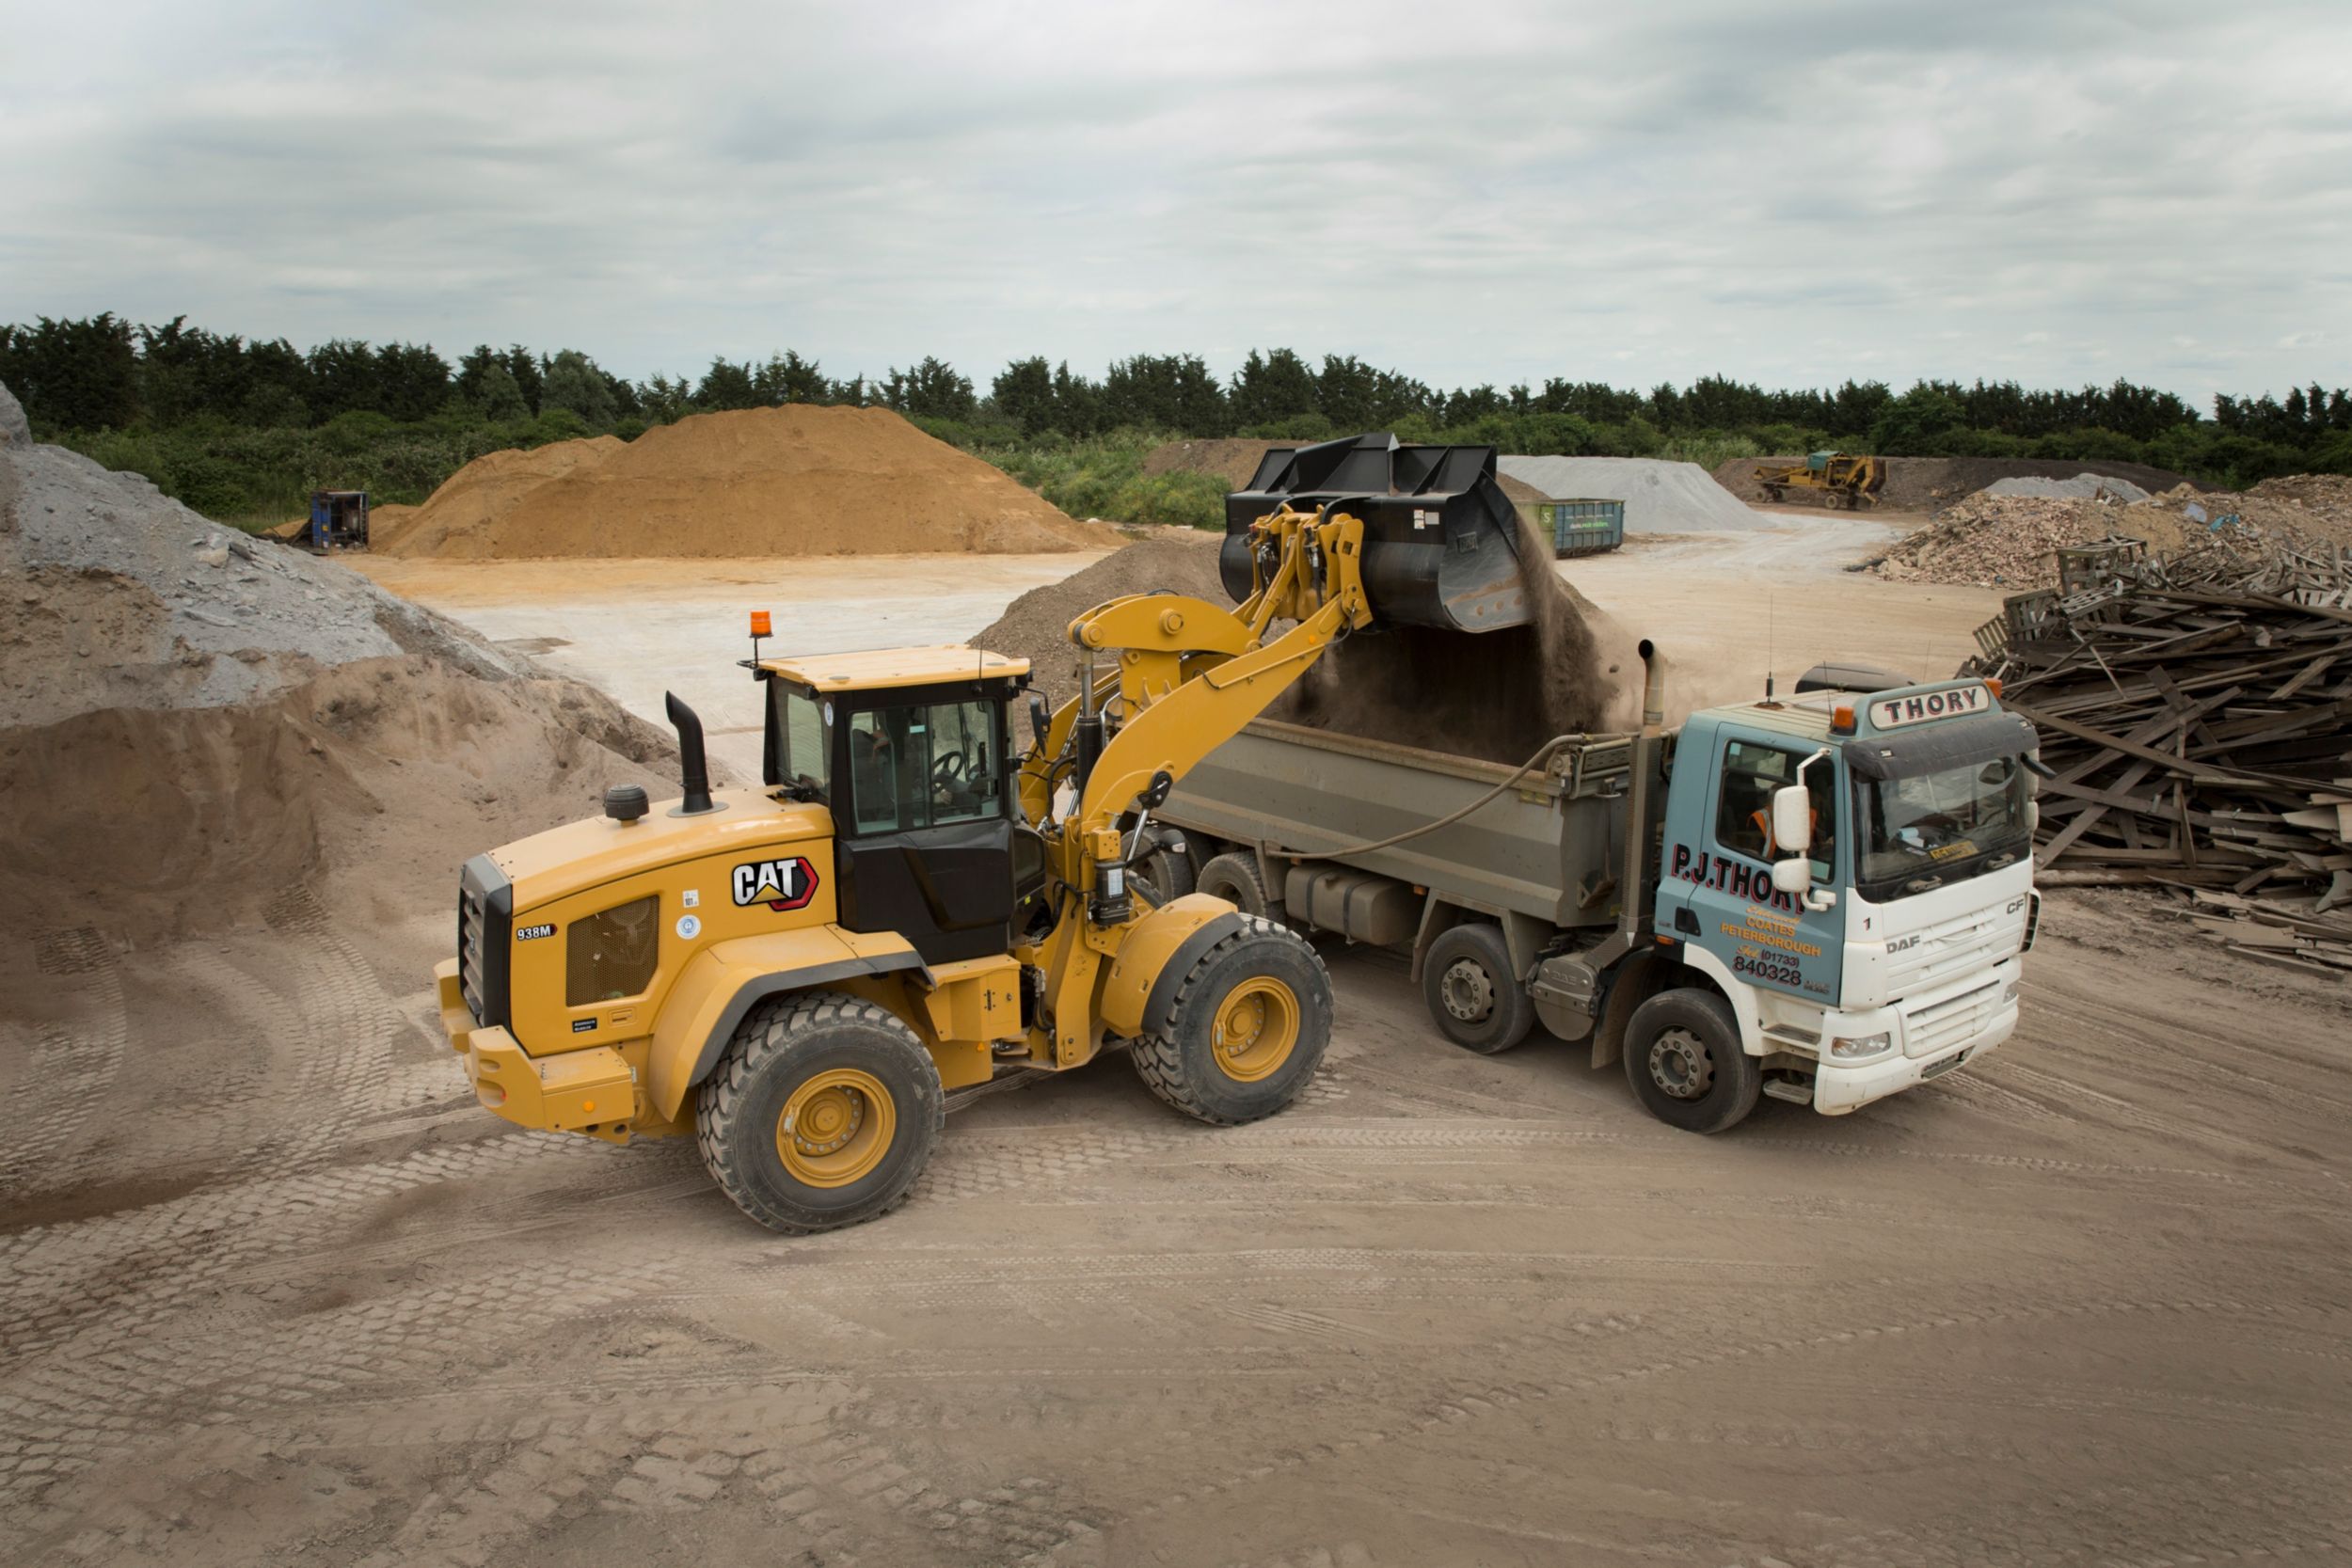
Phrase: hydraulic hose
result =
(1543, 753)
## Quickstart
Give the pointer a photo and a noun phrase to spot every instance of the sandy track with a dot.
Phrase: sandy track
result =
(2087, 1300)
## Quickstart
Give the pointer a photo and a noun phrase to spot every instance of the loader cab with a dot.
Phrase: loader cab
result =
(910, 750)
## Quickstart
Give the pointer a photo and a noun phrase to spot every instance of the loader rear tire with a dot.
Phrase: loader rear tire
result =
(1474, 998)
(1234, 878)
(1247, 1029)
(822, 1113)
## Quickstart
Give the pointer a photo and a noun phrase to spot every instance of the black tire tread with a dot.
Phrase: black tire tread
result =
(1157, 1057)
(1240, 868)
(770, 1029)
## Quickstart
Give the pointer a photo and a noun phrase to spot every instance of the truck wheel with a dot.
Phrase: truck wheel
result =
(1246, 1031)
(1473, 994)
(822, 1113)
(1234, 878)
(1682, 1057)
(1163, 877)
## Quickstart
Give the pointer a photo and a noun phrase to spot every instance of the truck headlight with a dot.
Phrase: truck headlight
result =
(2009, 992)
(1862, 1048)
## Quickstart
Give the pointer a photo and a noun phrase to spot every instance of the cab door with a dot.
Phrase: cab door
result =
(925, 847)
(1717, 889)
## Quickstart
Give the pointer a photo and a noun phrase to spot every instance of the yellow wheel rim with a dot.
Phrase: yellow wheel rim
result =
(1257, 1027)
(835, 1128)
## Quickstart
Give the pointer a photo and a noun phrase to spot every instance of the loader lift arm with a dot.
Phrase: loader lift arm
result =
(1188, 675)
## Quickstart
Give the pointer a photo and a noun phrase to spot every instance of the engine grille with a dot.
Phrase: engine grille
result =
(485, 934)
(1929, 1030)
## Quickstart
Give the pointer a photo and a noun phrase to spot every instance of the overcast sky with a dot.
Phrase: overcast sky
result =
(1630, 192)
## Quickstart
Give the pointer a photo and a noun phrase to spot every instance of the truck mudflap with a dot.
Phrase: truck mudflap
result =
(591, 1090)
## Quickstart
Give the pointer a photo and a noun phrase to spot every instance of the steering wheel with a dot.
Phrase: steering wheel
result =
(947, 767)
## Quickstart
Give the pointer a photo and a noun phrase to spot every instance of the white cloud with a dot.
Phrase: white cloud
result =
(1488, 192)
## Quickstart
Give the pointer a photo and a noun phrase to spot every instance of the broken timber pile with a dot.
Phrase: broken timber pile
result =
(2197, 712)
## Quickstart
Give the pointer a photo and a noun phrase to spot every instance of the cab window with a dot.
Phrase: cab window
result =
(805, 761)
(1743, 812)
(924, 766)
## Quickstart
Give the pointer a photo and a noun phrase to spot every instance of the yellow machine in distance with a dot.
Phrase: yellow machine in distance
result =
(797, 974)
(1852, 483)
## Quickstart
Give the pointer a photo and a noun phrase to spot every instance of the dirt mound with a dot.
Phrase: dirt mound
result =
(193, 726)
(1233, 459)
(794, 481)
(1036, 626)
(1497, 695)
(1995, 541)
(1929, 483)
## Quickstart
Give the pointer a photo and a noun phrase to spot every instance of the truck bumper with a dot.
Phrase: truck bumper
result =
(1838, 1089)
(577, 1091)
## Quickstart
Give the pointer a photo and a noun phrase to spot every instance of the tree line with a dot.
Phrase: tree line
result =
(203, 411)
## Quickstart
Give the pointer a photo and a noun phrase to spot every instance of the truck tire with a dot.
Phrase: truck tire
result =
(1163, 877)
(822, 1111)
(1474, 997)
(1683, 1059)
(1234, 878)
(1246, 1031)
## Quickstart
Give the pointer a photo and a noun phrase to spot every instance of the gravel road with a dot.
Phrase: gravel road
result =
(273, 1289)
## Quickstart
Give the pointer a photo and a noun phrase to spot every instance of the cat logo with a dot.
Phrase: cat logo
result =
(786, 884)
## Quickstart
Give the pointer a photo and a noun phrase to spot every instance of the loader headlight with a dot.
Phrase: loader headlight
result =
(1860, 1048)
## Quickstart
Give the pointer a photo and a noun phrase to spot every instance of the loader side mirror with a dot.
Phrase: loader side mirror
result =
(1792, 824)
(1156, 794)
(1039, 723)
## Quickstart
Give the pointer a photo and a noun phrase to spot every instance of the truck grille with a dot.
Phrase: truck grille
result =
(485, 934)
(1952, 947)
(1944, 1025)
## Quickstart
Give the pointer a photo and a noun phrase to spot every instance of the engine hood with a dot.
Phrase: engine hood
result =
(597, 850)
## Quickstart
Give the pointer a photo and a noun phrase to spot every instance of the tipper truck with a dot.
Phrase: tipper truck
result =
(1823, 899)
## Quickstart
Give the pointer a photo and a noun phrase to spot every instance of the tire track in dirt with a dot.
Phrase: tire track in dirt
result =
(72, 1070)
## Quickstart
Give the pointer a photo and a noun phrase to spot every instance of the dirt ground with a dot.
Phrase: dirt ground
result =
(636, 628)
(274, 1289)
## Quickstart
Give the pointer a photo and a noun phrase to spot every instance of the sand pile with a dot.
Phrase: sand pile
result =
(1929, 484)
(793, 481)
(1996, 541)
(1659, 497)
(1497, 695)
(192, 726)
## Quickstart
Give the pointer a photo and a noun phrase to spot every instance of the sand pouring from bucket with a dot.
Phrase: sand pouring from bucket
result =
(1442, 541)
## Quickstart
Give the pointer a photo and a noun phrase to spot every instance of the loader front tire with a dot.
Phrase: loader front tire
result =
(822, 1111)
(1246, 1031)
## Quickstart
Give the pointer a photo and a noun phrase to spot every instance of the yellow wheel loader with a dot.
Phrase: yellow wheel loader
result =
(799, 974)
(1852, 483)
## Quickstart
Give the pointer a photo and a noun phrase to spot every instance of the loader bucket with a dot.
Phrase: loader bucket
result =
(1442, 541)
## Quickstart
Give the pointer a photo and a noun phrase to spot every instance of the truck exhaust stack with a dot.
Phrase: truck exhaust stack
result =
(1441, 541)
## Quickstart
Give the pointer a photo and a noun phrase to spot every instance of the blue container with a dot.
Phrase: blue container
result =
(1581, 527)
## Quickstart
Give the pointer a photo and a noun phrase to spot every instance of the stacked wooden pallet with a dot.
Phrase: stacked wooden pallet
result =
(2197, 713)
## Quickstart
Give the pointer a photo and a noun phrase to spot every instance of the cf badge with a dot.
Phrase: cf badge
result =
(786, 884)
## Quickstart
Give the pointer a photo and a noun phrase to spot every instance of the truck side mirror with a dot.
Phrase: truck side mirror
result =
(1792, 824)
(1794, 874)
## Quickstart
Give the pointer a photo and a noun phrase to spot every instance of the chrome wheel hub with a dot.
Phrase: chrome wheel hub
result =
(1467, 989)
(1681, 1064)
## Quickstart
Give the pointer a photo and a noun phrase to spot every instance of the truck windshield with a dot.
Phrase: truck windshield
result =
(1939, 827)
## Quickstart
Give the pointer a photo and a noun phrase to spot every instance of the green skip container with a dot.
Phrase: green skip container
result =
(1581, 527)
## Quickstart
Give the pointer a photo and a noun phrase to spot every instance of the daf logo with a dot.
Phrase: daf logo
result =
(1903, 945)
(784, 884)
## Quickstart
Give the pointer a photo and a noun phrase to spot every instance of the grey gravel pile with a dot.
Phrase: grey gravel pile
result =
(2082, 487)
(114, 594)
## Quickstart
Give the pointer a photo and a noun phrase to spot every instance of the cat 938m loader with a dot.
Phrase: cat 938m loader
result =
(797, 974)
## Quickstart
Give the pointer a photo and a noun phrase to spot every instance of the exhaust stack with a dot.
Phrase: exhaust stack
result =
(692, 764)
